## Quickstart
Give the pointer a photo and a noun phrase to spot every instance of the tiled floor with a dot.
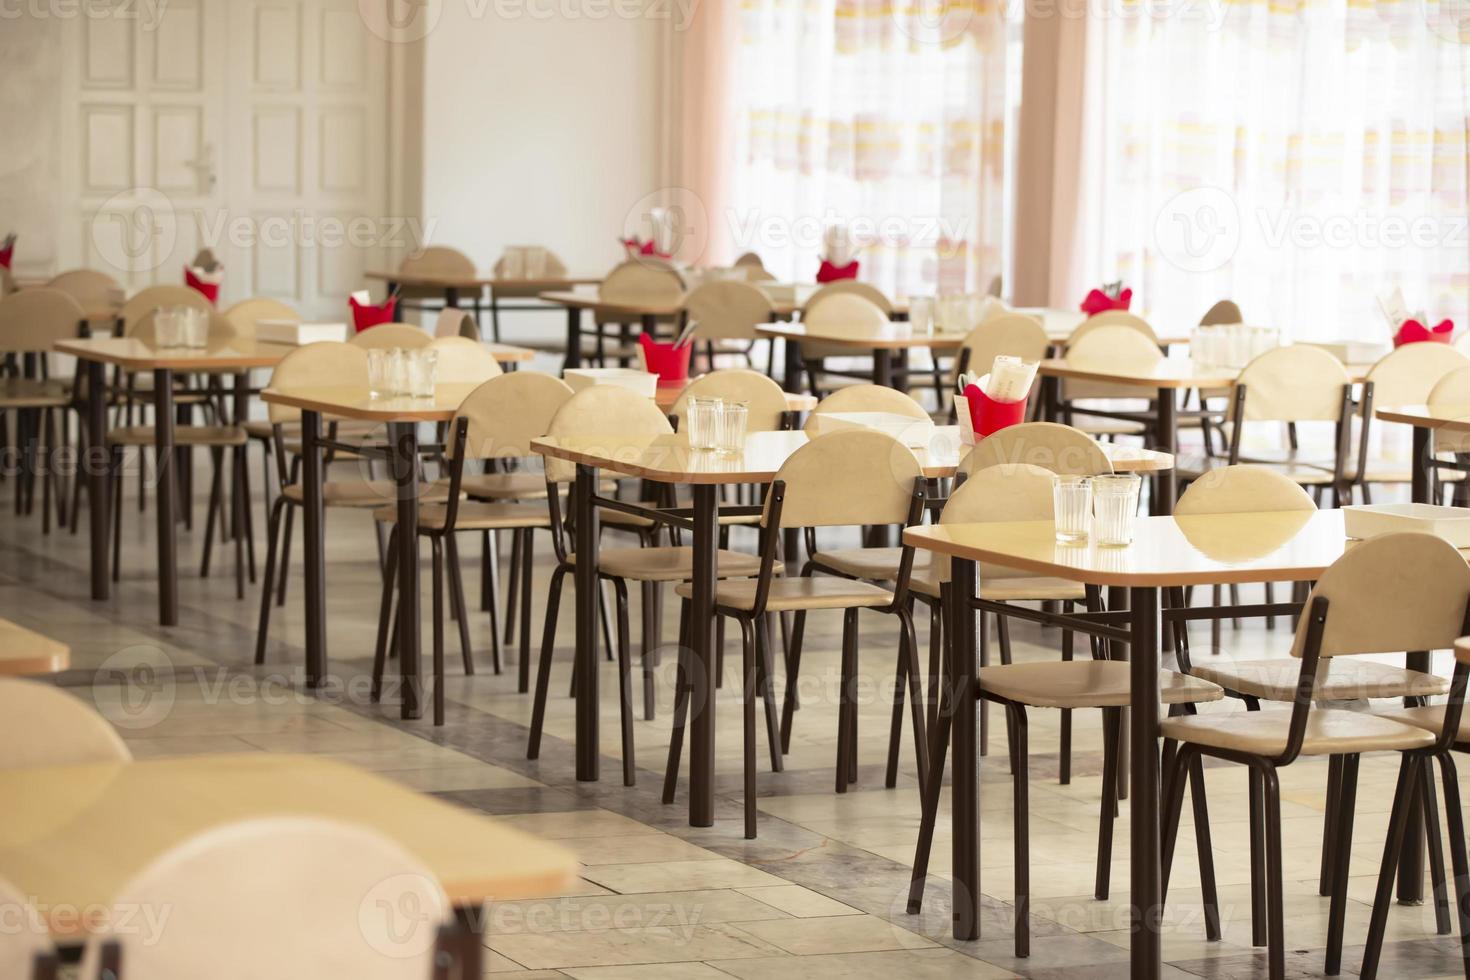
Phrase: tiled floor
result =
(819, 895)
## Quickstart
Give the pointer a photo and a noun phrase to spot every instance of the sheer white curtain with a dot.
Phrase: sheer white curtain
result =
(1299, 158)
(887, 117)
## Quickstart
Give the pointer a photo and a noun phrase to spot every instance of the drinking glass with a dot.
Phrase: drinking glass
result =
(921, 315)
(166, 328)
(195, 328)
(1071, 498)
(423, 373)
(513, 264)
(1114, 504)
(535, 262)
(379, 382)
(703, 417)
(397, 372)
(730, 424)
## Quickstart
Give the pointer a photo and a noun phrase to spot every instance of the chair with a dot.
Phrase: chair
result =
(764, 400)
(1109, 341)
(1015, 334)
(157, 297)
(389, 335)
(327, 363)
(1406, 376)
(454, 322)
(867, 398)
(726, 314)
(1390, 594)
(245, 314)
(437, 261)
(507, 288)
(612, 412)
(285, 896)
(1222, 313)
(463, 361)
(1021, 492)
(1113, 318)
(217, 439)
(643, 281)
(840, 479)
(1292, 385)
(26, 950)
(31, 322)
(839, 312)
(43, 725)
(1061, 449)
(1451, 392)
(495, 422)
(848, 287)
(91, 289)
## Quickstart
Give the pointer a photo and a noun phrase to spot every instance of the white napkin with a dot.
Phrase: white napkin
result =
(1010, 378)
(837, 245)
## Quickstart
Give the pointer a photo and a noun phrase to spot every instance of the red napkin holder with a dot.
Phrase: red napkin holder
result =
(1098, 301)
(209, 290)
(832, 273)
(670, 363)
(1414, 332)
(634, 248)
(365, 315)
(6, 254)
(981, 416)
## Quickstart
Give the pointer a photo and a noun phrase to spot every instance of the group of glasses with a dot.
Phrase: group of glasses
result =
(398, 373)
(1097, 507)
(957, 313)
(717, 425)
(181, 326)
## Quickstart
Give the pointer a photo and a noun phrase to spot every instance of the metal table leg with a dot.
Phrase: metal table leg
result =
(965, 792)
(1145, 856)
(791, 368)
(405, 441)
(313, 548)
(1166, 484)
(98, 505)
(701, 681)
(1411, 854)
(882, 368)
(574, 338)
(586, 590)
(163, 451)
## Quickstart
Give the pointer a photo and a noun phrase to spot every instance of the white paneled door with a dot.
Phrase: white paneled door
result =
(253, 127)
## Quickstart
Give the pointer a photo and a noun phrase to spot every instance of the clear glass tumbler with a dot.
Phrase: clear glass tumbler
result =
(1071, 498)
(921, 315)
(379, 384)
(397, 372)
(423, 373)
(195, 328)
(730, 424)
(1114, 505)
(703, 417)
(167, 329)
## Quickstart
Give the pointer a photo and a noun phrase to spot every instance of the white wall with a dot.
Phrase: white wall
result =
(539, 131)
(30, 162)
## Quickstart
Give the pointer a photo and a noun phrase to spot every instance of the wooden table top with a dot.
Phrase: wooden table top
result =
(668, 393)
(72, 837)
(357, 402)
(1201, 549)
(476, 281)
(509, 354)
(1450, 418)
(586, 299)
(132, 354)
(668, 458)
(24, 652)
(1169, 372)
(894, 335)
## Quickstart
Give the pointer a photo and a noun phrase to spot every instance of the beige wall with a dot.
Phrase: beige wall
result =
(30, 163)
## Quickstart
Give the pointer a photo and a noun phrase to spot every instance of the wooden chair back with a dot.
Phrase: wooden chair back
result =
(605, 411)
(43, 725)
(90, 288)
(1242, 489)
(764, 400)
(867, 398)
(323, 365)
(505, 413)
(853, 477)
(464, 361)
(32, 320)
(1051, 446)
(727, 310)
(389, 335)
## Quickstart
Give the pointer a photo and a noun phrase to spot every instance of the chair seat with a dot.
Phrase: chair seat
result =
(474, 516)
(873, 564)
(668, 564)
(1086, 684)
(184, 435)
(504, 486)
(34, 393)
(996, 583)
(1097, 425)
(1430, 718)
(363, 493)
(1305, 474)
(1338, 679)
(621, 519)
(348, 430)
(1329, 731)
(807, 592)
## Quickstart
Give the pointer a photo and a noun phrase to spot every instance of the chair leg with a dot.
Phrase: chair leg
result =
(1347, 798)
(895, 728)
(909, 650)
(936, 647)
(1403, 797)
(1275, 926)
(929, 796)
(210, 511)
(747, 709)
(1455, 824)
(485, 597)
(1102, 879)
(457, 603)
(1429, 806)
(625, 683)
(385, 614)
(273, 529)
(437, 547)
(1204, 848)
(1330, 821)
(847, 707)
(793, 672)
(523, 667)
(766, 688)
(239, 520)
(1064, 751)
(494, 570)
(681, 706)
(514, 582)
(648, 611)
(543, 669)
(285, 567)
(1003, 634)
(1258, 859)
(116, 497)
(1020, 789)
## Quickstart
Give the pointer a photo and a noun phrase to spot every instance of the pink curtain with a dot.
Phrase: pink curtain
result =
(704, 140)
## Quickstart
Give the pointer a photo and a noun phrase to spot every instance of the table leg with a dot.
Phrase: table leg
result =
(1145, 856)
(451, 297)
(586, 591)
(574, 339)
(883, 368)
(163, 451)
(1421, 485)
(1411, 854)
(965, 793)
(791, 368)
(100, 510)
(701, 681)
(1166, 487)
(405, 440)
(313, 548)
